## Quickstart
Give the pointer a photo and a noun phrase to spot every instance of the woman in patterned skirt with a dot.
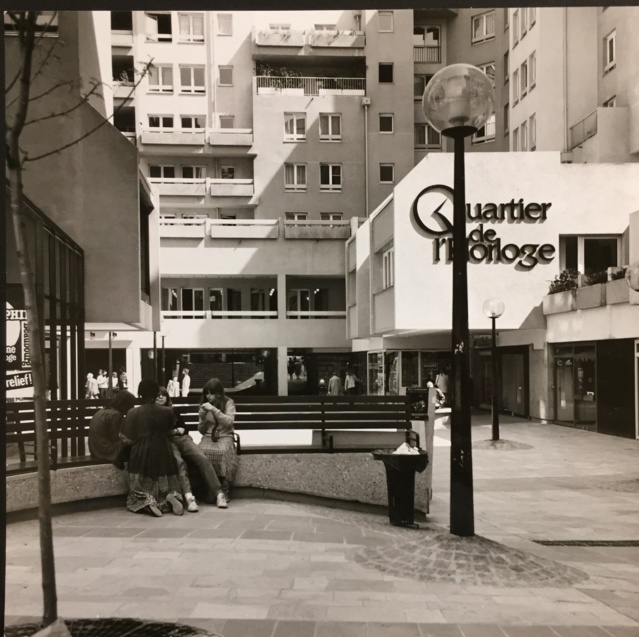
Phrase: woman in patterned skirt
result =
(217, 415)
(154, 487)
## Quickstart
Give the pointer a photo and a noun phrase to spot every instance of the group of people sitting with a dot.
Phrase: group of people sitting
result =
(152, 444)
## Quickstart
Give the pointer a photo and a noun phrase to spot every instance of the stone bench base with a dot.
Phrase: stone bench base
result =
(351, 477)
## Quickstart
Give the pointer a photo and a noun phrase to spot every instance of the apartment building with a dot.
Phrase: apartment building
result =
(272, 136)
(89, 222)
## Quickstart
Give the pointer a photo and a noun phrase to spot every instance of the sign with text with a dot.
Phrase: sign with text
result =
(18, 354)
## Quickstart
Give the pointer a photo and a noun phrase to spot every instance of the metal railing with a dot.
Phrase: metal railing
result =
(427, 54)
(218, 314)
(583, 130)
(311, 85)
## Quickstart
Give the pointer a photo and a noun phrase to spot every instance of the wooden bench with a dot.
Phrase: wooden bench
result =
(68, 424)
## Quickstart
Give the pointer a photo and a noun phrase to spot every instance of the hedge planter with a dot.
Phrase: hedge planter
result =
(591, 296)
(617, 291)
(560, 302)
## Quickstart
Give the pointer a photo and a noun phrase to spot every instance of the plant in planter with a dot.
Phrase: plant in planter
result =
(564, 281)
(617, 273)
(595, 278)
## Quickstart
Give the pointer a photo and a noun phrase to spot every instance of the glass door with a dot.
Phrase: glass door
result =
(513, 391)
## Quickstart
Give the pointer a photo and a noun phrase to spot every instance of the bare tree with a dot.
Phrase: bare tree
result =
(29, 33)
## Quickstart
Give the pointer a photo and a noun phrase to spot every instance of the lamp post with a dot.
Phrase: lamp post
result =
(493, 309)
(458, 101)
(632, 276)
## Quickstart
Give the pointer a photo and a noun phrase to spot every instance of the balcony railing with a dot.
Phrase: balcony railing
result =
(297, 229)
(314, 38)
(218, 314)
(230, 187)
(310, 85)
(315, 314)
(430, 54)
(583, 130)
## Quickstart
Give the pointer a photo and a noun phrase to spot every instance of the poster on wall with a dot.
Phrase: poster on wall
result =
(19, 378)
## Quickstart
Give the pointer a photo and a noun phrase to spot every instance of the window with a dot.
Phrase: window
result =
(227, 172)
(588, 254)
(225, 74)
(160, 123)
(227, 121)
(419, 85)
(516, 86)
(193, 303)
(506, 67)
(358, 21)
(609, 52)
(330, 176)
(489, 70)
(191, 27)
(486, 133)
(192, 122)
(294, 127)
(216, 301)
(330, 127)
(532, 131)
(611, 102)
(298, 301)
(193, 173)
(523, 74)
(532, 69)
(331, 216)
(515, 27)
(279, 28)
(385, 21)
(192, 79)
(325, 27)
(225, 24)
(523, 136)
(46, 24)
(506, 118)
(419, 36)
(296, 216)
(295, 177)
(427, 137)
(483, 27)
(385, 122)
(532, 16)
(388, 268)
(506, 23)
(161, 172)
(516, 139)
(523, 17)
(169, 297)
(386, 173)
(158, 27)
(385, 73)
(160, 79)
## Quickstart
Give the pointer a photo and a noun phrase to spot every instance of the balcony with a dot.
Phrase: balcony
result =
(230, 187)
(316, 86)
(179, 187)
(315, 314)
(231, 137)
(603, 137)
(583, 130)
(122, 38)
(124, 91)
(317, 229)
(174, 137)
(244, 228)
(337, 39)
(428, 54)
(219, 314)
(182, 228)
(280, 38)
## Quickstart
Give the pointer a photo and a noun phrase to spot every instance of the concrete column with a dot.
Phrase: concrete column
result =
(133, 368)
(282, 370)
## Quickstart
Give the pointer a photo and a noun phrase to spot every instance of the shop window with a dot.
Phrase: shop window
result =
(294, 127)
(158, 27)
(483, 27)
(330, 127)
(385, 122)
(385, 73)
(295, 177)
(191, 27)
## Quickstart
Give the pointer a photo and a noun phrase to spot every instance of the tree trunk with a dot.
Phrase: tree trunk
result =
(14, 165)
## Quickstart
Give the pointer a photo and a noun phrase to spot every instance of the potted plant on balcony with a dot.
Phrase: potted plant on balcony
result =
(592, 290)
(561, 293)
(617, 290)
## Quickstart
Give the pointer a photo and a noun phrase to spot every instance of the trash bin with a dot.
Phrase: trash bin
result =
(400, 480)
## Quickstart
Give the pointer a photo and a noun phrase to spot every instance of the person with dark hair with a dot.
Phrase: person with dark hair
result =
(186, 451)
(105, 440)
(154, 486)
(217, 415)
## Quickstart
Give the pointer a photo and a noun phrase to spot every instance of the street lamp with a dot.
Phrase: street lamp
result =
(458, 101)
(493, 309)
(632, 276)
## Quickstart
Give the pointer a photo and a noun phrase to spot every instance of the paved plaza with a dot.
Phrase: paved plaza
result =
(267, 568)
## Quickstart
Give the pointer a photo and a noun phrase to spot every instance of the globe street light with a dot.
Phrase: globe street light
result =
(458, 101)
(632, 276)
(493, 309)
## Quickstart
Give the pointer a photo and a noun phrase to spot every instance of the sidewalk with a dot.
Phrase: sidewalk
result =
(267, 568)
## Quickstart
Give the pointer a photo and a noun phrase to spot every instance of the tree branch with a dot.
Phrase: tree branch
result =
(95, 128)
(83, 100)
